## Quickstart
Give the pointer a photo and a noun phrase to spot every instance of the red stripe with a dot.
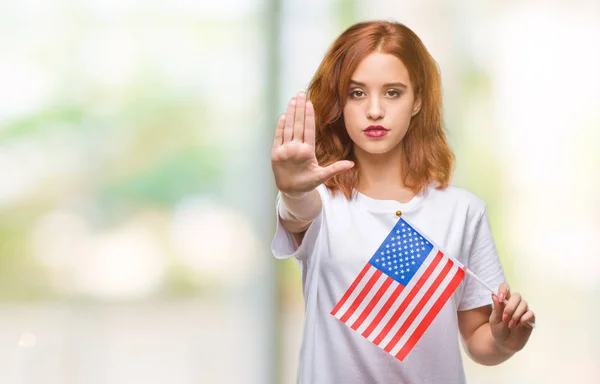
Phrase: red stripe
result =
(351, 289)
(361, 296)
(372, 303)
(383, 310)
(420, 330)
(407, 300)
(420, 305)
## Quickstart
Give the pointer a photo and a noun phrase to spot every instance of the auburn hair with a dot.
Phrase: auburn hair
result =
(427, 155)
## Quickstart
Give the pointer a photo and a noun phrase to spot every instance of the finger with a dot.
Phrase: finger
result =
(309, 124)
(527, 317)
(513, 303)
(334, 169)
(503, 292)
(288, 128)
(279, 131)
(497, 310)
(299, 117)
(521, 309)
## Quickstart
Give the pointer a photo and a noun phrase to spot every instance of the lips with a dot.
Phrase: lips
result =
(375, 131)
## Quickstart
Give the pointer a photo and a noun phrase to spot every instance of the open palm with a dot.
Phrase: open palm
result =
(293, 158)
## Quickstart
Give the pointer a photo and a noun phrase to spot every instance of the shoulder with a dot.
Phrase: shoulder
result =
(458, 198)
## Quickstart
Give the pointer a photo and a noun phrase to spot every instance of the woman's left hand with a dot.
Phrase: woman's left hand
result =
(508, 322)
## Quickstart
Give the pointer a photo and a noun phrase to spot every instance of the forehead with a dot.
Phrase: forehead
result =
(381, 68)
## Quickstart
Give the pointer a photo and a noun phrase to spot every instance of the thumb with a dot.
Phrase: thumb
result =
(497, 310)
(335, 169)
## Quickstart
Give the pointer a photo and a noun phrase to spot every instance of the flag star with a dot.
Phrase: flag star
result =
(389, 257)
(407, 269)
(412, 251)
(387, 245)
(392, 238)
(397, 231)
(402, 276)
(412, 257)
(403, 224)
(396, 272)
(377, 260)
(383, 263)
(402, 270)
(418, 255)
(390, 268)
(388, 251)
(403, 235)
(403, 230)
(393, 249)
(413, 263)
(395, 261)
(422, 248)
(395, 267)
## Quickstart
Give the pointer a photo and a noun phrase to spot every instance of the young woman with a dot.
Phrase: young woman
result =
(363, 146)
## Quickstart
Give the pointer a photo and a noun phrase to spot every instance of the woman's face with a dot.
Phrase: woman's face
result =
(379, 104)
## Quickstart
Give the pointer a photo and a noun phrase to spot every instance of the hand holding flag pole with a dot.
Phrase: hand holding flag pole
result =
(530, 323)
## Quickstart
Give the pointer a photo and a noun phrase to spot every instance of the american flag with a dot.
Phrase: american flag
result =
(400, 290)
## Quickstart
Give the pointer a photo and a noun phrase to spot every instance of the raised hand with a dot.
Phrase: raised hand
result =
(293, 159)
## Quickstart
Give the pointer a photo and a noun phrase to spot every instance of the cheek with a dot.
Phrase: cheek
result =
(350, 116)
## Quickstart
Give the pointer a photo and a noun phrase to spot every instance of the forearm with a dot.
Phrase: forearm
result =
(298, 212)
(483, 348)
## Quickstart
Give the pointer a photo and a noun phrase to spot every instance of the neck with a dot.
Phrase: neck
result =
(379, 173)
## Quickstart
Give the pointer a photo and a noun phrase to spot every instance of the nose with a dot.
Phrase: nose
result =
(374, 109)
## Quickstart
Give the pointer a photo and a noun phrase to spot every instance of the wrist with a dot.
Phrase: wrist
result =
(294, 195)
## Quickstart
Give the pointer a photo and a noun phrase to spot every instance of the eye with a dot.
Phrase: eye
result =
(394, 93)
(356, 93)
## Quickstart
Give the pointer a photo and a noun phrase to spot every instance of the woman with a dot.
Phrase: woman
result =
(362, 147)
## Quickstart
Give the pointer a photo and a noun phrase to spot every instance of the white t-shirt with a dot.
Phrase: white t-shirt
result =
(336, 247)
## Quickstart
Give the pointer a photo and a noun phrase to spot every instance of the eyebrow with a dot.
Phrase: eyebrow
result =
(398, 84)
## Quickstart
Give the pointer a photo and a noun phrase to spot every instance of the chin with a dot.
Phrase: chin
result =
(376, 149)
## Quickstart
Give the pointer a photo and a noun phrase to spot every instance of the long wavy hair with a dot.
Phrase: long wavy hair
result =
(427, 155)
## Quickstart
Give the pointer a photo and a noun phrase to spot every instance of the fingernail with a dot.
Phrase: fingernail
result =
(502, 297)
(511, 324)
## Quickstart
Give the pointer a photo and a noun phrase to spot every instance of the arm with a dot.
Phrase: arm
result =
(491, 335)
(296, 169)
(298, 212)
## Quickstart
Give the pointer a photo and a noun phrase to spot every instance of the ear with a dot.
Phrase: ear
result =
(416, 105)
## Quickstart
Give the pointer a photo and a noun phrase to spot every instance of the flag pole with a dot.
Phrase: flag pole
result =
(530, 323)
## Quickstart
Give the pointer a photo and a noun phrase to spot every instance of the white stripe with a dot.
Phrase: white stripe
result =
(420, 293)
(356, 291)
(424, 311)
(384, 298)
(413, 281)
(368, 297)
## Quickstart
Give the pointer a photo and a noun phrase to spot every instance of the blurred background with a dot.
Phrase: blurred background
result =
(137, 200)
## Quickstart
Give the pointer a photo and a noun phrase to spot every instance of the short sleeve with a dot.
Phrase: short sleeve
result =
(483, 261)
(284, 244)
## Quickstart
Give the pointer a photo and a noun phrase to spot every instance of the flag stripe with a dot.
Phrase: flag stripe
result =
(378, 296)
(420, 330)
(366, 289)
(406, 302)
(357, 291)
(383, 310)
(351, 289)
(419, 307)
(390, 307)
(426, 309)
